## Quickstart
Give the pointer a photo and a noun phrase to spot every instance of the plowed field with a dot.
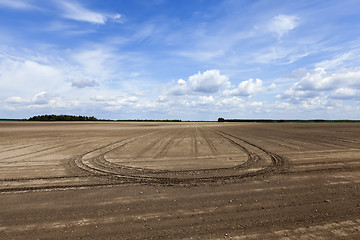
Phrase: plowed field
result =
(131, 180)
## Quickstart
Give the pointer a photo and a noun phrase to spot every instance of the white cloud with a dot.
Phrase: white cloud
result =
(100, 98)
(58, 78)
(231, 101)
(270, 55)
(206, 99)
(277, 55)
(17, 4)
(181, 82)
(201, 55)
(337, 61)
(282, 24)
(340, 60)
(117, 16)
(208, 82)
(297, 95)
(246, 88)
(66, 28)
(75, 11)
(21, 74)
(320, 84)
(319, 79)
(284, 106)
(315, 103)
(39, 100)
(346, 93)
(69, 9)
(94, 62)
(121, 102)
(179, 89)
(16, 100)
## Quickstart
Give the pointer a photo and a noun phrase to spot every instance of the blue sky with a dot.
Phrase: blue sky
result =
(189, 60)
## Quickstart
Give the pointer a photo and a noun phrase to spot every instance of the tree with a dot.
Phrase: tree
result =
(54, 117)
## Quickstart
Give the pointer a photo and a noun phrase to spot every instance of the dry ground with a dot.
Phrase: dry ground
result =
(106, 180)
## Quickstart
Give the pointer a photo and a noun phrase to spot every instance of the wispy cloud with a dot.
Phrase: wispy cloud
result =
(68, 9)
(340, 60)
(74, 11)
(17, 4)
(67, 29)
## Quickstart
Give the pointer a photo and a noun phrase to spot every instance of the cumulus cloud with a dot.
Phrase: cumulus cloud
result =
(246, 88)
(181, 88)
(206, 99)
(121, 102)
(282, 24)
(231, 101)
(41, 99)
(346, 93)
(83, 83)
(319, 79)
(208, 82)
(340, 84)
(249, 88)
(316, 103)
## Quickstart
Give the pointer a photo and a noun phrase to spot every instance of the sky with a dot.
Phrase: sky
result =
(188, 59)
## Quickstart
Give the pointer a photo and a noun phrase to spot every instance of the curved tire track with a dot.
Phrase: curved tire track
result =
(98, 166)
(93, 165)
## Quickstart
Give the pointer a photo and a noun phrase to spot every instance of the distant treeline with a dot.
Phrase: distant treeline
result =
(10, 119)
(283, 120)
(54, 117)
(149, 120)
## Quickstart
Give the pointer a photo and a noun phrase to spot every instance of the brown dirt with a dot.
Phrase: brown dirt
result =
(106, 180)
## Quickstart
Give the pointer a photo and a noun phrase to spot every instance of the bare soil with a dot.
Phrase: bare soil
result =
(131, 180)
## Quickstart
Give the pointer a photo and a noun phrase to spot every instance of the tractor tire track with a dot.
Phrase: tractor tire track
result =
(100, 167)
(167, 146)
(208, 141)
(96, 171)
